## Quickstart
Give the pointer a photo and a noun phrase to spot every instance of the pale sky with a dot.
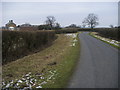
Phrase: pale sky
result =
(66, 13)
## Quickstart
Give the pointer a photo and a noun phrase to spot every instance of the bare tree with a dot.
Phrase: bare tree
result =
(91, 20)
(57, 25)
(50, 21)
(83, 24)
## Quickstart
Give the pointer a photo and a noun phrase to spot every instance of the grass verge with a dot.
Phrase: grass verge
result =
(50, 68)
(93, 35)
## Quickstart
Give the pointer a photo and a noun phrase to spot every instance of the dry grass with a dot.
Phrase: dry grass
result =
(37, 62)
(61, 53)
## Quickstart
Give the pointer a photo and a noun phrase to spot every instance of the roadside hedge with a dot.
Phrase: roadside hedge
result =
(112, 33)
(16, 44)
(66, 30)
(85, 29)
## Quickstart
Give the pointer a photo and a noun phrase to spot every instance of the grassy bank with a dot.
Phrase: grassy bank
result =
(50, 68)
(106, 40)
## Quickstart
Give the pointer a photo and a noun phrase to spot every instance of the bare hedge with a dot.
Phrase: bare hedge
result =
(85, 29)
(113, 33)
(66, 30)
(16, 44)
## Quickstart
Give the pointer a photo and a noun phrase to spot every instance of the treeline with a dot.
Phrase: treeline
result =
(16, 44)
(50, 24)
(48, 27)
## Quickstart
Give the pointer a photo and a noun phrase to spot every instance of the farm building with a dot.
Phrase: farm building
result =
(24, 27)
(10, 25)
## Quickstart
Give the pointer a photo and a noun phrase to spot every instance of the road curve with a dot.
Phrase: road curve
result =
(98, 65)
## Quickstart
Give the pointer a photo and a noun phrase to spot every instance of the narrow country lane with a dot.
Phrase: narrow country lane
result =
(98, 65)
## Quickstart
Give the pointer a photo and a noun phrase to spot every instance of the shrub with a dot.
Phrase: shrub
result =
(16, 44)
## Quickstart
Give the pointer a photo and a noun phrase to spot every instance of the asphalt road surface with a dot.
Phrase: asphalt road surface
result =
(98, 65)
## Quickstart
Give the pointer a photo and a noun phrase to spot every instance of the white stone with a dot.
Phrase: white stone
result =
(17, 84)
(75, 40)
(20, 81)
(73, 44)
(7, 85)
(27, 74)
(44, 82)
(39, 87)
(11, 82)
(42, 77)
(28, 77)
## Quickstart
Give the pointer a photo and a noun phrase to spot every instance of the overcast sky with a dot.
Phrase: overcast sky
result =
(66, 13)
